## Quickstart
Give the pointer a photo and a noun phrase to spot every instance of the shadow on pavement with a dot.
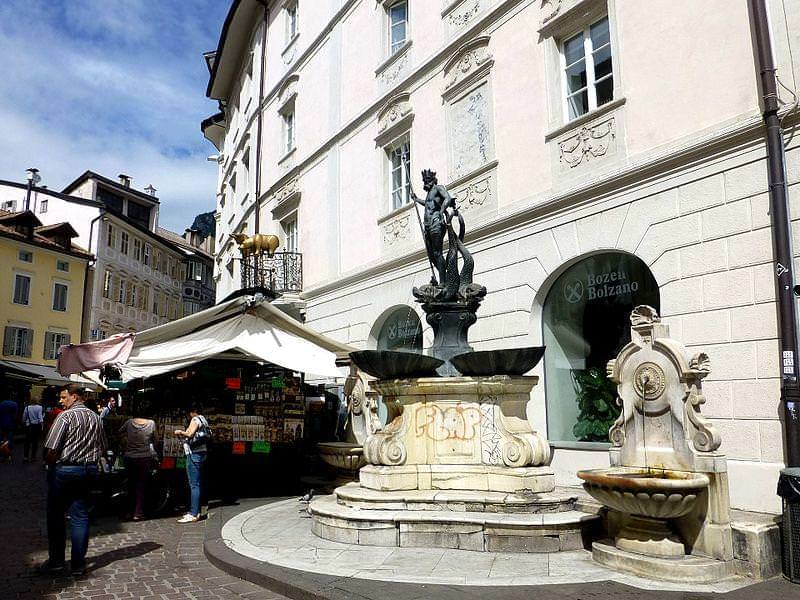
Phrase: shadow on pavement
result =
(126, 552)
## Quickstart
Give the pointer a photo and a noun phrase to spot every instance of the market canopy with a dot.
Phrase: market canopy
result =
(248, 327)
(43, 374)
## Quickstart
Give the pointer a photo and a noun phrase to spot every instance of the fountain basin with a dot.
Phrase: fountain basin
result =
(390, 364)
(342, 456)
(653, 493)
(508, 361)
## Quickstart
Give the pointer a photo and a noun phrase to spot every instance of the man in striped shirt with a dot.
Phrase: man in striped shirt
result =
(74, 445)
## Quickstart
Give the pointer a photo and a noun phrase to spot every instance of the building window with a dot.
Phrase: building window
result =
(53, 342)
(137, 249)
(173, 268)
(292, 22)
(60, 293)
(139, 213)
(123, 242)
(133, 296)
(25, 256)
(156, 302)
(111, 236)
(288, 129)
(107, 282)
(157, 260)
(43, 206)
(148, 250)
(120, 287)
(586, 322)
(62, 265)
(400, 161)
(588, 73)
(144, 298)
(17, 341)
(22, 289)
(291, 234)
(398, 25)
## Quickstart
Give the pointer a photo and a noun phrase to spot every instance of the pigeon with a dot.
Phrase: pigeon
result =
(308, 496)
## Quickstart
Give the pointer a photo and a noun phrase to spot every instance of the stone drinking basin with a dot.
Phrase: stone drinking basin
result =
(653, 493)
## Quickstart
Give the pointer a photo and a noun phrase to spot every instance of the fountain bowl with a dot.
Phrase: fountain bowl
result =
(390, 364)
(653, 493)
(508, 361)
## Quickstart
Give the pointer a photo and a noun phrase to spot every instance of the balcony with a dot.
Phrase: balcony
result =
(282, 272)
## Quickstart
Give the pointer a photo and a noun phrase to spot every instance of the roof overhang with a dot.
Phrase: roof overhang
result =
(233, 41)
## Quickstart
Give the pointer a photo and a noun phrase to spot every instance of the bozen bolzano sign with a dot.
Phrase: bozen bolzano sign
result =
(602, 285)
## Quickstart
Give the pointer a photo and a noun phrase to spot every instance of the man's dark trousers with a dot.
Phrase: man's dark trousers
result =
(68, 490)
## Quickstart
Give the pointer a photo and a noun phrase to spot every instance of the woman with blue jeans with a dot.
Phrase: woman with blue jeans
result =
(196, 449)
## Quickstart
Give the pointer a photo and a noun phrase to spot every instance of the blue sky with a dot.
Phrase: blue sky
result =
(115, 86)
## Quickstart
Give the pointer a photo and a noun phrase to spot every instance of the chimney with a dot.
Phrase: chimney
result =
(150, 189)
(124, 180)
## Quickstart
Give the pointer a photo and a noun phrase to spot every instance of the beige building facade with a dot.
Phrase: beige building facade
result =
(604, 153)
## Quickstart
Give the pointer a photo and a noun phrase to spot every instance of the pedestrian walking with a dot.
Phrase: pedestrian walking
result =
(196, 436)
(9, 414)
(138, 436)
(33, 421)
(109, 408)
(74, 445)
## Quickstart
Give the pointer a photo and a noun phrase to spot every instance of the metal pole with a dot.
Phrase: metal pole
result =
(781, 234)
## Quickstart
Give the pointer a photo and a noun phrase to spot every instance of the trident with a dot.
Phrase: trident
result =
(406, 163)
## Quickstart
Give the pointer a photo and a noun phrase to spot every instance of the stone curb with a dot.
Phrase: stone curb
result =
(302, 585)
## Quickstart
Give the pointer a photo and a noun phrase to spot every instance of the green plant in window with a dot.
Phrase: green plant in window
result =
(596, 395)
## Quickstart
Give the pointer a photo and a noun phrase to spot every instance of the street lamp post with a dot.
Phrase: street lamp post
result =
(33, 179)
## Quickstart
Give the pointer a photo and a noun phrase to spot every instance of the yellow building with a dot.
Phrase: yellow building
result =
(42, 279)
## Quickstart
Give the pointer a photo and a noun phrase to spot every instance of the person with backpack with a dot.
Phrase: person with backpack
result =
(197, 437)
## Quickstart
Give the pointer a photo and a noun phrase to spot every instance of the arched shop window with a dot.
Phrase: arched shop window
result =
(401, 331)
(586, 321)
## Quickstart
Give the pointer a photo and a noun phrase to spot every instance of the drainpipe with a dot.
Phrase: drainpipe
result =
(781, 233)
(86, 292)
(262, 78)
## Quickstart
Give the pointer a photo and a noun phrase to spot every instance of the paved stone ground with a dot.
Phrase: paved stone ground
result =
(155, 559)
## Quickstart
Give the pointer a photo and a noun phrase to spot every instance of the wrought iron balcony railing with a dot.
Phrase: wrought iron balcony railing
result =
(282, 272)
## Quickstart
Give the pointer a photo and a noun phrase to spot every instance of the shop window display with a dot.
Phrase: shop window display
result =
(586, 323)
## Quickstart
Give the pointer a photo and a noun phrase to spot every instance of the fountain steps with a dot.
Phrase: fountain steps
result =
(466, 530)
(355, 496)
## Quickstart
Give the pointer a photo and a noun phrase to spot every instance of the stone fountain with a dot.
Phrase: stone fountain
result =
(458, 464)
(667, 488)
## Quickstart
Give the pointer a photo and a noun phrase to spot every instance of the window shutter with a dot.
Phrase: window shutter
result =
(48, 344)
(8, 340)
(27, 345)
(65, 341)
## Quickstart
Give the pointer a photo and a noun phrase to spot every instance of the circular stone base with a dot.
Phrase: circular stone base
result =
(686, 568)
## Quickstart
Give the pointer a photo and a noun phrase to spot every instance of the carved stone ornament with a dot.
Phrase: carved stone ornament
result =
(288, 91)
(398, 108)
(475, 194)
(392, 73)
(289, 190)
(590, 141)
(397, 230)
(550, 10)
(468, 60)
(464, 13)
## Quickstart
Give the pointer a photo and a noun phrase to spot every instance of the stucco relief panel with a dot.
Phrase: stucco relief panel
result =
(458, 15)
(587, 144)
(470, 134)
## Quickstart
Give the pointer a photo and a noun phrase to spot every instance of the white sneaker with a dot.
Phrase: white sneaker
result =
(188, 518)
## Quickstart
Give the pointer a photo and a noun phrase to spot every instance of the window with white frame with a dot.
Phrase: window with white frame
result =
(25, 256)
(137, 249)
(290, 234)
(107, 281)
(398, 25)
(62, 265)
(288, 129)
(17, 341)
(148, 250)
(60, 293)
(43, 206)
(292, 21)
(124, 241)
(53, 340)
(120, 286)
(588, 73)
(399, 165)
(22, 289)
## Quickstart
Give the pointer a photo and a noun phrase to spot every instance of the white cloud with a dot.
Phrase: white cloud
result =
(112, 87)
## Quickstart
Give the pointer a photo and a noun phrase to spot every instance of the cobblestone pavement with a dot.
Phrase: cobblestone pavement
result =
(148, 559)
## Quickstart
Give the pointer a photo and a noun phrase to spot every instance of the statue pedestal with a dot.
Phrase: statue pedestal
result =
(457, 466)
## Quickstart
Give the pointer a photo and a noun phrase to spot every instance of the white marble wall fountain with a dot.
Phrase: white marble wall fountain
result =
(458, 465)
(667, 488)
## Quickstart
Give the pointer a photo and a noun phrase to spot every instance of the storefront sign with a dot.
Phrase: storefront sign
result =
(601, 285)
(114, 384)
(261, 448)
(278, 383)
(401, 331)
(233, 383)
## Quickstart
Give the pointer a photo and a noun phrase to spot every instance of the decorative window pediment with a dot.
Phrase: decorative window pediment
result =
(285, 199)
(287, 93)
(469, 63)
(395, 118)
